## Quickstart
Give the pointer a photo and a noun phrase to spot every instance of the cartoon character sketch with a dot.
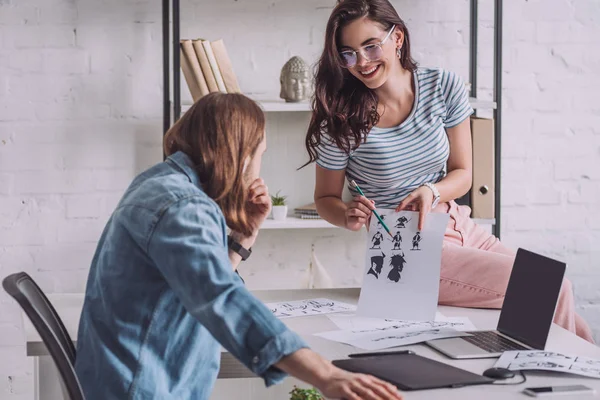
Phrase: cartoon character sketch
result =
(415, 241)
(397, 262)
(584, 369)
(535, 364)
(538, 354)
(400, 222)
(376, 261)
(397, 239)
(377, 239)
(379, 226)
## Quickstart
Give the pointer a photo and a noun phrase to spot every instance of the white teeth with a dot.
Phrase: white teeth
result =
(369, 71)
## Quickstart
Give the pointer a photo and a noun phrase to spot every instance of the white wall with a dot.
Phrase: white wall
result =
(80, 115)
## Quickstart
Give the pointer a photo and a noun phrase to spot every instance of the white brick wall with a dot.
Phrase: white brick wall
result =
(80, 115)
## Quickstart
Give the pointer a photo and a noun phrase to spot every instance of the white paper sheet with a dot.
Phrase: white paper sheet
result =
(549, 361)
(382, 338)
(300, 308)
(347, 321)
(402, 274)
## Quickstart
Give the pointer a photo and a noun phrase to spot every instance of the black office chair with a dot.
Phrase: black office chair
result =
(51, 329)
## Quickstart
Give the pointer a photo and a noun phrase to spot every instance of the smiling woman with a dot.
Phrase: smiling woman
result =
(402, 133)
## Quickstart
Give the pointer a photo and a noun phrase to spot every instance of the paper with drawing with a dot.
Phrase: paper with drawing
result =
(353, 322)
(390, 336)
(549, 361)
(300, 308)
(402, 273)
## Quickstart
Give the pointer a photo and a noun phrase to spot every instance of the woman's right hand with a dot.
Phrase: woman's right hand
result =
(358, 212)
(350, 386)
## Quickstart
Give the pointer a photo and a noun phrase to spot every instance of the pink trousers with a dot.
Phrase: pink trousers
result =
(476, 268)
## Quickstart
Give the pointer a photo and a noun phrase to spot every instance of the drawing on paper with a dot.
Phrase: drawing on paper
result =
(307, 307)
(377, 262)
(534, 364)
(588, 361)
(395, 280)
(416, 240)
(397, 262)
(379, 222)
(584, 368)
(542, 354)
(397, 240)
(401, 222)
(377, 239)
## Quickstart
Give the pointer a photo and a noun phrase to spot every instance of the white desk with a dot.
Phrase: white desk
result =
(69, 306)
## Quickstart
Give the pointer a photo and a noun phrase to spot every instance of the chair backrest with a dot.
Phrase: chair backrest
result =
(49, 326)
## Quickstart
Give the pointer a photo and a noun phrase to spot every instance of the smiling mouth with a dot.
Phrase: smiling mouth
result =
(370, 72)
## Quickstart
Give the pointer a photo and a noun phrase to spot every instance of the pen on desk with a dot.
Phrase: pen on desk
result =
(374, 212)
(380, 353)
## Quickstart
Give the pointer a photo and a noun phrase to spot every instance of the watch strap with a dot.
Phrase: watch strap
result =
(232, 244)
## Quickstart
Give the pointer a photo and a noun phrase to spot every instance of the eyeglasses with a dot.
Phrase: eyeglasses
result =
(370, 52)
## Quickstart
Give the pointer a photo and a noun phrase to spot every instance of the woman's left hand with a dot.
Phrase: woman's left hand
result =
(259, 204)
(420, 200)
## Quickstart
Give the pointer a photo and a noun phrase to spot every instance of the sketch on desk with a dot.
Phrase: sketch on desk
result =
(549, 361)
(389, 338)
(301, 308)
(535, 364)
(410, 277)
(541, 354)
(358, 324)
(377, 239)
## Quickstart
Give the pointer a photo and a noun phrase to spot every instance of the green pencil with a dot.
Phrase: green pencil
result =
(374, 212)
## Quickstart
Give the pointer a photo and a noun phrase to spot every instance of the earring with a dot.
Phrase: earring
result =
(399, 52)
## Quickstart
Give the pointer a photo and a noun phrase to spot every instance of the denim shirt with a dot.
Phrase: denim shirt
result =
(162, 297)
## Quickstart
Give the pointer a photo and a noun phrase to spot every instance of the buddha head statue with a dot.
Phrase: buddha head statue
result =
(295, 80)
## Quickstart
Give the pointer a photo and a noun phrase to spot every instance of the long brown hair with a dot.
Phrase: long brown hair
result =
(344, 107)
(219, 132)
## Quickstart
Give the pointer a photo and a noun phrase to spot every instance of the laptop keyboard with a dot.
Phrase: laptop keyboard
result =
(492, 342)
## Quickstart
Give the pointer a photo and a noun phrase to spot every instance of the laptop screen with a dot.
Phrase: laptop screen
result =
(531, 298)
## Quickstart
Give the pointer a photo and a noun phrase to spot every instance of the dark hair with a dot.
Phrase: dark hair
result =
(342, 106)
(219, 132)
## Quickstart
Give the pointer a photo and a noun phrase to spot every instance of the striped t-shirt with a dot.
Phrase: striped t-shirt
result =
(395, 161)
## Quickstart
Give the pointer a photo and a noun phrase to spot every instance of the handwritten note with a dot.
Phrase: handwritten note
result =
(549, 361)
(301, 308)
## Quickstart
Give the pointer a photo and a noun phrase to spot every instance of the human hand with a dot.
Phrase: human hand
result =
(258, 205)
(358, 212)
(420, 200)
(350, 386)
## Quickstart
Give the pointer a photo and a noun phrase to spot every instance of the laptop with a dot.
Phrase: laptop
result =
(526, 316)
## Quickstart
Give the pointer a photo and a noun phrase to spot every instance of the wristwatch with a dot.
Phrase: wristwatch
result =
(436, 193)
(238, 248)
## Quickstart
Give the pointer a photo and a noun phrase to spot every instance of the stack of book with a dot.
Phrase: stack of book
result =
(308, 211)
(207, 68)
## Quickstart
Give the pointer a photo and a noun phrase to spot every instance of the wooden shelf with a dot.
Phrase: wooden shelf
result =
(304, 106)
(296, 223)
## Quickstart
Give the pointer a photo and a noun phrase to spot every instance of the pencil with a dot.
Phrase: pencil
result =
(374, 212)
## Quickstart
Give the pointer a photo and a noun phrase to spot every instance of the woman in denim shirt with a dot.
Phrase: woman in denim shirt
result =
(162, 294)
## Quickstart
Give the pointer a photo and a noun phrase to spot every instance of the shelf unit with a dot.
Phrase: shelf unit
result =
(172, 107)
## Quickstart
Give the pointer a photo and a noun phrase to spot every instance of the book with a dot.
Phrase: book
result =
(214, 66)
(189, 76)
(190, 62)
(205, 65)
(308, 211)
(224, 63)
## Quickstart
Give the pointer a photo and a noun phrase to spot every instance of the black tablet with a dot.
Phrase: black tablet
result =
(412, 372)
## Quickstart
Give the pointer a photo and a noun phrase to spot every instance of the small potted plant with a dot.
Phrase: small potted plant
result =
(305, 394)
(279, 207)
